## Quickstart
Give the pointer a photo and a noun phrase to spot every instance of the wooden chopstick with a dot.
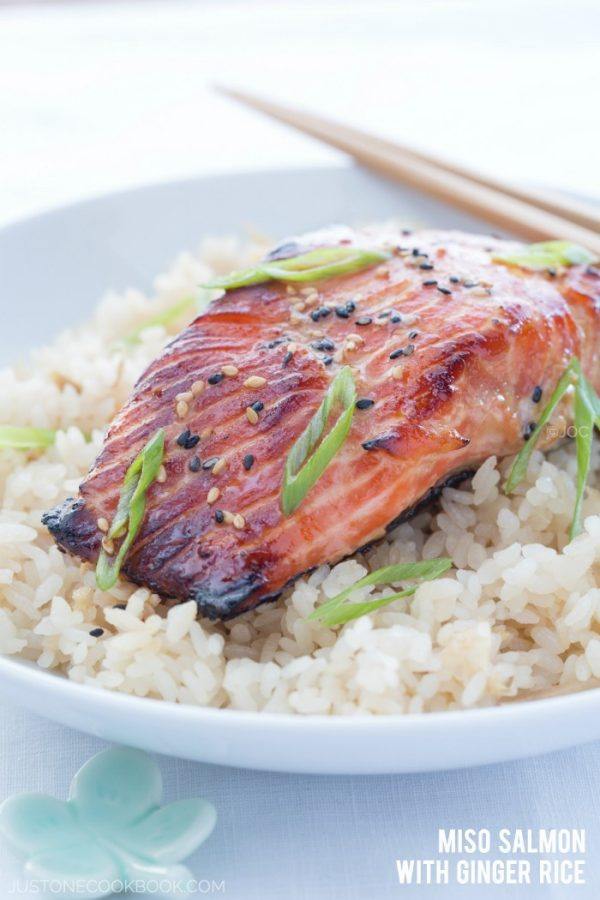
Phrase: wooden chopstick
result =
(516, 210)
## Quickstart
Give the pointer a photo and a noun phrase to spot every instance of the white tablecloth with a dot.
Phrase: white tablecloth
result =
(95, 97)
(321, 838)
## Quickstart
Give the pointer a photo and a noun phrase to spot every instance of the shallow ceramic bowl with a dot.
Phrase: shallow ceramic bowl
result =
(54, 267)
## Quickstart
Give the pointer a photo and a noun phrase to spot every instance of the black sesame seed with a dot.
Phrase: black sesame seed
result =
(396, 318)
(97, 632)
(364, 403)
(119, 606)
(395, 354)
(324, 312)
(195, 464)
(416, 252)
(315, 315)
(528, 431)
(383, 315)
(426, 266)
(342, 312)
(248, 462)
(470, 284)
(444, 290)
(219, 516)
(551, 271)
(209, 463)
(350, 306)
(323, 344)
(537, 394)
(258, 406)
(412, 335)
(187, 440)
(454, 279)
(431, 282)
(409, 349)
(216, 378)
(327, 360)
(287, 358)
(364, 320)
(276, 343)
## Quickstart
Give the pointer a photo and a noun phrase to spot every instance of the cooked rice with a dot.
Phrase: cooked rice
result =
(519, 614)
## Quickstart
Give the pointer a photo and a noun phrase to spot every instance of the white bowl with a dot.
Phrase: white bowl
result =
(54, 267)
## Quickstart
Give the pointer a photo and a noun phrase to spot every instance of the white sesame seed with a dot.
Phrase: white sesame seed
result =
(162, 475)
(229, 517)
(197, 388)
(102, 523)
(255, 381)
(291, 347)
(182, 409)
(251, 415)
(206, 432)
(213, 495)
(396, 372)
(239, 521)
(186, 396)
(230, 370)
(219, 466)
(108, 546)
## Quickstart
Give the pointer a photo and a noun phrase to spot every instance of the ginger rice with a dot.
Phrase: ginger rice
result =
(519, 614)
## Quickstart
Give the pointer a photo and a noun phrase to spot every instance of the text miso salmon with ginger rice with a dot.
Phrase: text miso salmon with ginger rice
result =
(516, 615)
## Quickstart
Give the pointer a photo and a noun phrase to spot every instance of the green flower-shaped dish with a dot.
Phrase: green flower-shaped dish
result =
(112, 828)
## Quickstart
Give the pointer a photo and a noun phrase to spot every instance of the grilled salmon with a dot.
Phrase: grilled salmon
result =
(452, 353)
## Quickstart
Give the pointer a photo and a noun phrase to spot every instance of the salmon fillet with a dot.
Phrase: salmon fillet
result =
(453, 357)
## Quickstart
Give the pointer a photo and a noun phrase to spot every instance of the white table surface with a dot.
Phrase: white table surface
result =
(95, 97)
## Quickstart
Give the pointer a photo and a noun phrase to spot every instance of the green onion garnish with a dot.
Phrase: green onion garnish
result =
(325, 262)
(162, 318)
(337, 612)
(587, 415)
(584, 435)
(14, 437)
(131, 507)
(302, 469)
(519, 467)
(547, 255)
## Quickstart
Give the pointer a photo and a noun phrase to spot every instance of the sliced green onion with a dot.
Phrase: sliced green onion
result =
(337, 612)
(302, 470)
(547, 255)
(325, 262)
(584, 435)
(163, 318)
(17, 438)
(519, 467)
(131, 507)
(590, 397)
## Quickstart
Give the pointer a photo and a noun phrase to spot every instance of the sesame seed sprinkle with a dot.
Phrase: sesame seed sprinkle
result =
(397, 372)
(239, 521)
(537, 394)
(197, 388)
(182, 409)
(102, 523)
(195, 464)
(230, 370)
(216, 378)
(255, 381)
(364, 403)
(219, 516)
(108, 546)
(219, 466)
(162, 475)
(364, 320)
(258, 406)
(251, 415)
(248, 461)
(96, 632)
(287, 358)
(213, 495)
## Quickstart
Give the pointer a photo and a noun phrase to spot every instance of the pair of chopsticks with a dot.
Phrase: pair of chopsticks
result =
(527, 213)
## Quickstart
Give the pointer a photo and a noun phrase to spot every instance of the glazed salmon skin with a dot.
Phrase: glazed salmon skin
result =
(452, 353)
